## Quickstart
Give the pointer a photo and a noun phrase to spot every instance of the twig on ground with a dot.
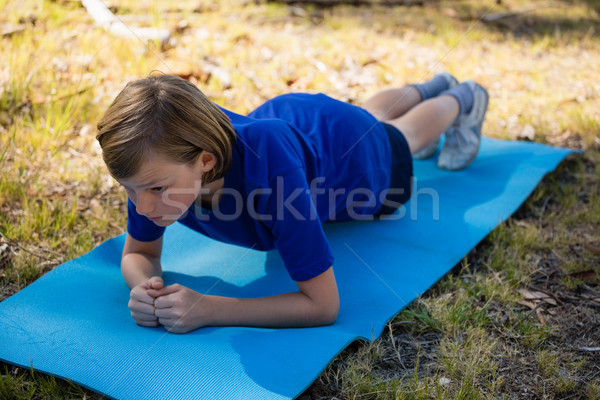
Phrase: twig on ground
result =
(106, 19)
(550, 295)
(119, 228)
(591, 248)
(8, 32)
(543, 208)
(13, 243)
(47, 99)
(561, 258)
(589, 348)
(509, 14)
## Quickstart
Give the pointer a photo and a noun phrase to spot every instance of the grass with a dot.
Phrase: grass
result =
(468, 337)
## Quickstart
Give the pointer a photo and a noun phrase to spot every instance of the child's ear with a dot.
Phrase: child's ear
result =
(206, 161)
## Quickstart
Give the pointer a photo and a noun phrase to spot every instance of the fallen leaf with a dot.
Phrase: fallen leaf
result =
(7, 31)
(444, 381)
(592, 249)
(450, 12)
(182, 26)
(527, 304)
(528, 133)
(4, 253)
(540, 316)
(537, 296)
(299, 84)
(589, 274)
(95, 205)
(82, 203)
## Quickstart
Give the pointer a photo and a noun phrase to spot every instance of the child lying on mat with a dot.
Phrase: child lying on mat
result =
(268, 181)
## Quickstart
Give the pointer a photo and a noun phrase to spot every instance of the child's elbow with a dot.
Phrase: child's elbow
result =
(329, 314)
(332, 315)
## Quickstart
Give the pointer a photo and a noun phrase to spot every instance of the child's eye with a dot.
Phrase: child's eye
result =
(158, 189)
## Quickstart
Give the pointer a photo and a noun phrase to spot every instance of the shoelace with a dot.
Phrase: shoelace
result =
(451, 139)
(454, 136)
(456, 139)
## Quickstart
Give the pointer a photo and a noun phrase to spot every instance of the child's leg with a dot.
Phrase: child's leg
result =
(425, 122)
(392, 103)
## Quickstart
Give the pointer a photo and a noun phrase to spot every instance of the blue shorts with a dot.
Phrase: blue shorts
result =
(401, 171)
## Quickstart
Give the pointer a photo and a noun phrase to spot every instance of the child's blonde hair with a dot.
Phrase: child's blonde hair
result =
(170, 116)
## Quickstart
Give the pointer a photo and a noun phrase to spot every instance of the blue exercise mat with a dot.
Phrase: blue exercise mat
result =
(74, 322)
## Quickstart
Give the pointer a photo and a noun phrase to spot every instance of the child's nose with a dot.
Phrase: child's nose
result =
(145, 204)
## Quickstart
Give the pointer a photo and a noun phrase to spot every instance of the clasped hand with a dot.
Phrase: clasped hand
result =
(176, 307)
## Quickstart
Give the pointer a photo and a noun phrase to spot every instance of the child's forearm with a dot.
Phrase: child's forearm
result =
(315, 304)
(284, 310)
(180, 309)
(137, 268)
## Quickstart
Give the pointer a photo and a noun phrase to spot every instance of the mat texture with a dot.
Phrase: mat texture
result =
(74, 322)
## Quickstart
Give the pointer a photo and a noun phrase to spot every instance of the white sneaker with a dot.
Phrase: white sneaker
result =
(432, 148)
(464, 135)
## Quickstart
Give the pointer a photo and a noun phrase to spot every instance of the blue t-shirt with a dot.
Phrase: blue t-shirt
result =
(299, 160)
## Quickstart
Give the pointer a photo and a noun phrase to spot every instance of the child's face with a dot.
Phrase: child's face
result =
(162, 191)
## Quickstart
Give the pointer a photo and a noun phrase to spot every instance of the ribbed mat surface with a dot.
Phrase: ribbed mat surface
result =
(74, 322)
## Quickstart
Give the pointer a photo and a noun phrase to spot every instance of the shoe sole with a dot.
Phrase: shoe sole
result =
(486, 98)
